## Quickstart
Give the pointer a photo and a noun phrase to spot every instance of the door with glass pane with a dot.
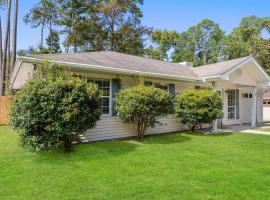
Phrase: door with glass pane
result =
(233, 104)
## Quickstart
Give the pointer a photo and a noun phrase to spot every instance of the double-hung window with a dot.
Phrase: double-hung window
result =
(104, 87)
(233, 104)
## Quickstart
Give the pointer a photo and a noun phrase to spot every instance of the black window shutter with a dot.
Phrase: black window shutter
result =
(237, 104)
(116, 86)
(172, 89)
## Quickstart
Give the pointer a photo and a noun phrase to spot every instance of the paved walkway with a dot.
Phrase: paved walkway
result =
(246, 128)
(243, 128)
(256, 132)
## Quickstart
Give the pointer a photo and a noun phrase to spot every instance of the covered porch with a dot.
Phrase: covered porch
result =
(241, 89)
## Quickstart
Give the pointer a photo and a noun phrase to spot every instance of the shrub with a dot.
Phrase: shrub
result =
(142, 105)
(53, 109)
(195, 107)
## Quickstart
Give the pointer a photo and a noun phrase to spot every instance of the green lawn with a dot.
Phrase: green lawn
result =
(174, 166)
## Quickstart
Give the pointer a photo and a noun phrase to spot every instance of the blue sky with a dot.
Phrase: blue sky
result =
(167, 14)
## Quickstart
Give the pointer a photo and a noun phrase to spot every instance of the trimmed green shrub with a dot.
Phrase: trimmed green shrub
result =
(142, 105)
(53, 109)
(197, 107)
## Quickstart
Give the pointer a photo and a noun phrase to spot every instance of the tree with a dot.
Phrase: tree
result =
(247, 39)
(5, 53)
(14, 36)
(162, 42)
(130, 39)
(43, 14)
(196, 107)
(202, 44)
(142, 105)
(54, 109)
(186, 47)
(54, 40)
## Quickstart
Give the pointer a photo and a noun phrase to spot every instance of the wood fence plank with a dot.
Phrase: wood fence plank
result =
(4, 108)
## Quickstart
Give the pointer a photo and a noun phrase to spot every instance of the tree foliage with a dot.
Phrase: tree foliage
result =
(93, 25)
(44, 15)
(162, 42)
(142, 105)
(53, 109)
(53, 42)
(247, 39)
(197, 107)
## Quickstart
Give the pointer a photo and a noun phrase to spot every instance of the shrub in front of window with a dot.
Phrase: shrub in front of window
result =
(53, 109)
(142, 105)
(197, 107)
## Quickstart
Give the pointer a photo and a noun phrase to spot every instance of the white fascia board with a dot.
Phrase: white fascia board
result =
(111, 69)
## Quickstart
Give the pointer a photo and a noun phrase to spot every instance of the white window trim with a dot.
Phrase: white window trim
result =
(235, 106)
(110, 100)
(110, 96)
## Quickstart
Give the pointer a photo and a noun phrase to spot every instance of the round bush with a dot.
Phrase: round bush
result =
(142, 105)
(196, 107)
(48, 112)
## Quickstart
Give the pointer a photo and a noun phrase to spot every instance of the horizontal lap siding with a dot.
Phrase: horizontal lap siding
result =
(112, 127)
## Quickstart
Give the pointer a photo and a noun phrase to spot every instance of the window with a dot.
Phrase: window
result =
(104, 87)
(233, 104)
(198, 87)
(247, 96)
(163, 86)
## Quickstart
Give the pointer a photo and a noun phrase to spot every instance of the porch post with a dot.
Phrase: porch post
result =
(215, 122)
(254, 107)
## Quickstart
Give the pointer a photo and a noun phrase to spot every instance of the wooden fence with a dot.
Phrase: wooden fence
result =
(4, 108)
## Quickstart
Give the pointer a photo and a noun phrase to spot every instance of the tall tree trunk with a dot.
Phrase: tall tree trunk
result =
(1, 51)
(204, 57)
(50, 28)
(8, 59)
(50, 36)
(112, 34)
(4, 60)
(41, 39)
(1, 57)
(14, 36)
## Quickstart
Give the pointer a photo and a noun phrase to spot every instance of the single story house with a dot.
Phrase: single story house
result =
(240, 82)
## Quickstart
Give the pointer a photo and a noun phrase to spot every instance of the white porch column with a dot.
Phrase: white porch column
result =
(254, 107)
(215, 122)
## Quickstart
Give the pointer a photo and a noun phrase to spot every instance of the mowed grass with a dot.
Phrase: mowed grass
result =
(172, 166)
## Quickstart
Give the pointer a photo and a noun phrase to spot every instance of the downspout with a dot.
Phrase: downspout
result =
(209, 84)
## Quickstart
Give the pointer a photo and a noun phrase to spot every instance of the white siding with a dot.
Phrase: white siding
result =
(112, 127)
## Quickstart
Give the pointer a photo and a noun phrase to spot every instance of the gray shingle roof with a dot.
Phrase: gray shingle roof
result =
(219, 68)
(136, 63)
(120, 61)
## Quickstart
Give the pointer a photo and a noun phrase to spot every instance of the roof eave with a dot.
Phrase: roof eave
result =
(108, 69)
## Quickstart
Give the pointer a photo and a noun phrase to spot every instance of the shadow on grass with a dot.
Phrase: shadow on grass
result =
(87, 152)
(166, 138)
(220, 134)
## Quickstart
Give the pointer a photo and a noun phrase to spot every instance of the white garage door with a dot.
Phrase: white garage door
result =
(266, 114)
